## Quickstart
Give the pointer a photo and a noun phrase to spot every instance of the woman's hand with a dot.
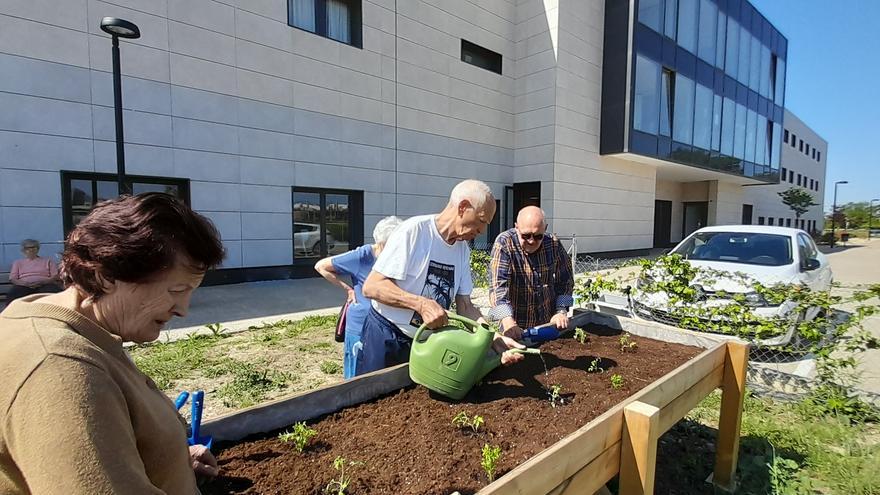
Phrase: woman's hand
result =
(204, 463)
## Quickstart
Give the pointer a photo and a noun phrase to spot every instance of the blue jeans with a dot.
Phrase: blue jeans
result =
(384, 344)
(351, 349)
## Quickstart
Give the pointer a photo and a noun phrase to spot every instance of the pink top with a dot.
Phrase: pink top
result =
(38, 269)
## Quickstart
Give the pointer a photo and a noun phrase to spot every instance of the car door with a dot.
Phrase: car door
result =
(806, 251)
(825, 275)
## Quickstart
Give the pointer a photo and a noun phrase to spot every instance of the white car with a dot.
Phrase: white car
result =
(307, 239)
(768, 255)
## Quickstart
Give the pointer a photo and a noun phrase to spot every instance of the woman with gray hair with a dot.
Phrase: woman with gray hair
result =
(357, 265)
(33, 274)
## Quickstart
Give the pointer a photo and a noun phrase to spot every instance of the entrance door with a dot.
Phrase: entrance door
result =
(747, 215)
(526, 194)
(662, 223)
(695, 216)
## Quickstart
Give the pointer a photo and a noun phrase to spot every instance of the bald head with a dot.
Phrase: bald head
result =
(530, 216)
(530, 227)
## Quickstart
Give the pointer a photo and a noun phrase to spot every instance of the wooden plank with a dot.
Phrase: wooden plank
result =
(286, 411)
(678, 408)
(732, 396)
(565, 458)
(638, 452)
(592, 477)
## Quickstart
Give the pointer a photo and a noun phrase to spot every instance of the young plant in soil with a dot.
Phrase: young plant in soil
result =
(461, 420)
(627, 344)
(616, 381)
(556, 395)
(300, 436)
(580, 335)
(338, 487)
(595, 366)
(489, 462)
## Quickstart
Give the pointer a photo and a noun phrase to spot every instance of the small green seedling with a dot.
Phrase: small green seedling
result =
(216, 329)
(338, 487)
(580, 335)
(627, 344)
(489, 461)
(461, 420)
(300, 436)
(556, 395)
(595, 366)
(616, 381)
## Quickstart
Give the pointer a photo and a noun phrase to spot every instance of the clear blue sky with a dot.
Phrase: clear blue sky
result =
(833, 84)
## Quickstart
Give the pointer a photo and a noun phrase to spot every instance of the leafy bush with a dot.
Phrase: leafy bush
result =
(479, 262)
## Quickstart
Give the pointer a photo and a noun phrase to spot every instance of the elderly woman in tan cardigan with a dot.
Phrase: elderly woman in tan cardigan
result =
(76, 415)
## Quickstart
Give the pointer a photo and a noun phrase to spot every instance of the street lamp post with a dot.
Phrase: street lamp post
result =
(834, 208)
(119, 28)
(871, 217)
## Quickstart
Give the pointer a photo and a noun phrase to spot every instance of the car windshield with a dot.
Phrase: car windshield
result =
(738, 247)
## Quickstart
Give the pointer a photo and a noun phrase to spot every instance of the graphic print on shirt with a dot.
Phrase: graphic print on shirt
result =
(439, 284)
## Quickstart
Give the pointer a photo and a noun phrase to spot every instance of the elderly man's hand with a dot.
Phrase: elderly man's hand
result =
(560, 320)
(204, 463)
(433, 315)
(502, 345)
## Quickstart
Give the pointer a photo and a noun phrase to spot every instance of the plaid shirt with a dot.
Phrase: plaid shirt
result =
(531, 288)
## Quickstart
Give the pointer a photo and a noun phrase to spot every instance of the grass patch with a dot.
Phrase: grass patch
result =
(166, 362)
(251, 383)
(331, 367)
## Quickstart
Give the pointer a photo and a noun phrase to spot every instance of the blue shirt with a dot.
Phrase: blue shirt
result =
(357, 264)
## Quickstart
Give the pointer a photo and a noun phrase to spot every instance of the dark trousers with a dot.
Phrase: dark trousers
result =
(384, 344)
(20, 291)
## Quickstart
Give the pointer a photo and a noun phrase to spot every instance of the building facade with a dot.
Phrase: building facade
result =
(295, 125)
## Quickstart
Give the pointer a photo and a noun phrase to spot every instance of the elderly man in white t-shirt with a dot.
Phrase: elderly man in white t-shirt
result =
(424, 268)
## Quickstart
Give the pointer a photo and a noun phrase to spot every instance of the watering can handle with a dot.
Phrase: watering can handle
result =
(452, 316)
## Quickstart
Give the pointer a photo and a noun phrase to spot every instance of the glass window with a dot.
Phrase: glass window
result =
(667, 86)
(761, 157)
(687, 24)
(745, 39)
(707, 33)
(779, 81)
(751, 134)
(765, 73)
(338, 224)
(775, 146)
(739, 138)
(671, 18)
(738, 247)
(731, 55)
(339, 20)
(760, 220)
(786, 136)
(791, 176)
(721, 41)
(647, 101)
(650, 13)
(755, 64)
(302, 14)
(703, 117)
(683, 117)
(325, 222)
(307, 232)
(716, 122)
(819, 156)
(728, 113)
(480, 57)
(793, 139)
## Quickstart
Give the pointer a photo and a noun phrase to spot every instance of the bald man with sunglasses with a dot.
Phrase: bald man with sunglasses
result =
(532, 280)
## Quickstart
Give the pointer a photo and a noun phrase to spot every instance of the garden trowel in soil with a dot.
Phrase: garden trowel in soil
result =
(450, 360)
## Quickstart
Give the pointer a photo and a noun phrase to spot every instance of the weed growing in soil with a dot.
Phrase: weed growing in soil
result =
(627, 344)
(166, 362)
(556, 395)
(489, 462)
(338, 487)
(300, 436)
(250, 385)
(461, 420)
(580, 335)
(331, 367)
(595, 366)
(217, 330)
(616, 381)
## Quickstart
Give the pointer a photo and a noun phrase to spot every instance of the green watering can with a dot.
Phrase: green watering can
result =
(451, 360)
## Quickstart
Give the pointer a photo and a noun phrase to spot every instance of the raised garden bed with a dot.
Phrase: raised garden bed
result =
(404, 442)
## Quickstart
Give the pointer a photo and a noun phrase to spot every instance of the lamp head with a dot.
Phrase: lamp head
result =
(120, 27)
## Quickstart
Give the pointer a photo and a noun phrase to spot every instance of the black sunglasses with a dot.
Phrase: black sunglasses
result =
(530, 236)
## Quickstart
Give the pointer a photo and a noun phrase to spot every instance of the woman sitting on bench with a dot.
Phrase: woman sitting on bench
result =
(32, 274)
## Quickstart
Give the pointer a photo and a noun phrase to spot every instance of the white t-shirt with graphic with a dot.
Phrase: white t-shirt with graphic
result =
(423, 263)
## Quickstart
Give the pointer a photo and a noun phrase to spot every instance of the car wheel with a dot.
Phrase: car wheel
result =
(316, 248)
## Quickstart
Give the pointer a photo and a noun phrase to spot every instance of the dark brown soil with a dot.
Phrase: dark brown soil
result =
(405, 443)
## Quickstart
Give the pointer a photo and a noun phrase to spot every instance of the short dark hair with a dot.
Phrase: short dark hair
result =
(134, 238)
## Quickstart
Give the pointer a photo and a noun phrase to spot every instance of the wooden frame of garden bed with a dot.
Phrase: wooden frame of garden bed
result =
(622, 440)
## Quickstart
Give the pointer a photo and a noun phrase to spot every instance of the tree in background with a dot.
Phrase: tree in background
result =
(798, 199)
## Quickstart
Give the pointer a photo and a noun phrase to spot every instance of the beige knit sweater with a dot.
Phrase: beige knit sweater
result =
(76, 415)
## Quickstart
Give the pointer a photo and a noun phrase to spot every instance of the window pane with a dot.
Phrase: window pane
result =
(687, 25)
(338, 224)
(745, 38)
(722, 39)
(666, 102)
(302, 13)
(671, 18)
(780, 81)
(338, 21)
(683, 118)
(81, 200)
(647, 102)
(307, 235)
(765, 72)
(727, 129)
(171, 189)
(732, 53)
(650, 13)
(107, 190)
(716, 122)
(755, 64)
(775, 145)
(761, 157)
(708, 20)
(739, 137)
(751, 133)
(703, 117)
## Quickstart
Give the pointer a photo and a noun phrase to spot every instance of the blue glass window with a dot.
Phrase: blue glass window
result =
(765, 73)
(683, 116)
(745, 41)
(732, 53)
(761, 157)
(707, 33)
(650, 13)
(722, 40)
(739, 137)
(755, 64)
(687, 24)
(671, 18)
(728, 114)
(775, 145)
(780, 81)
(666, 85)
(751, 135)
(647, 90)
(703, 117)
(716, 122)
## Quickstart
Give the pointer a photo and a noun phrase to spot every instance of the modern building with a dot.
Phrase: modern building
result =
(295, 125)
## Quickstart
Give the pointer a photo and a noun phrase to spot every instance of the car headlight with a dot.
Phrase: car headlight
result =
(755, 300)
